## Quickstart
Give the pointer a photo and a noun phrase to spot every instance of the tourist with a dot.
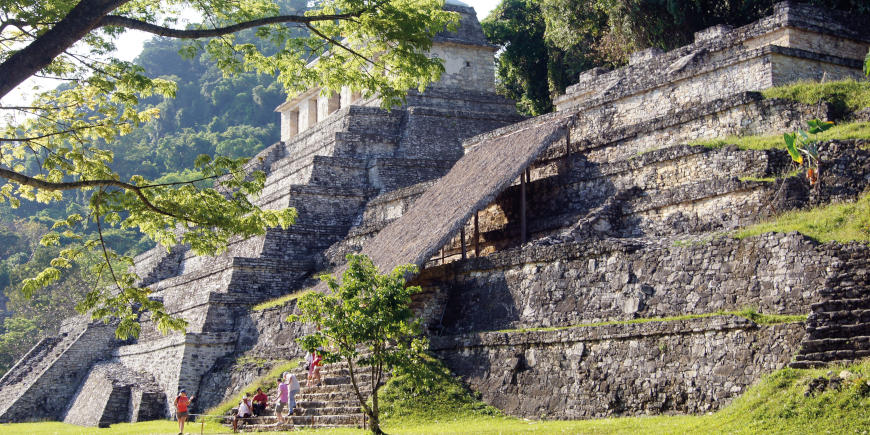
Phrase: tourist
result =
(244, 411)
(293, 386)
(261, 400)
(314, 361)
(283, 397)
(181, 404)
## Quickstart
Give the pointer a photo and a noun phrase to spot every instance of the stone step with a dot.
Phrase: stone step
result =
(839, 331)
(844, 293)
(329, 420)
(272, 427)
(345, 394)
(329, 389)
(41, 352)
(828, 344)
(845, 304)
(832, 355)
(320, 420)
(339, 172)
(353, 144)
(327, 403)
(329, 410)
(843, 317)
(815, 364)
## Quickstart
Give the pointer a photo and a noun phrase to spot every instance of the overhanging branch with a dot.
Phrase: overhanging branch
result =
(72, 185)
(130, 23)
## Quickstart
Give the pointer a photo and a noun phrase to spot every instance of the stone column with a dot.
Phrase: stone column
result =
(289, 124)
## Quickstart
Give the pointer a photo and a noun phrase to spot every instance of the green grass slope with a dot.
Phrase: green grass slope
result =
(842, 223)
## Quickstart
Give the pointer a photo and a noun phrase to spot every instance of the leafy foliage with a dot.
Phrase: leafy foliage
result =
(66, 139)
(530, 68)
(427, 391)
(366, 321)
(545, 38)
(799, 144)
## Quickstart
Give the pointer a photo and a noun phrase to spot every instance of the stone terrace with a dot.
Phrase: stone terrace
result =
(621, 221)
(603, 215)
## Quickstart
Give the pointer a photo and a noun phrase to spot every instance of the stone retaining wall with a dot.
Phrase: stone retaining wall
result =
(687, 366)
(618, 279)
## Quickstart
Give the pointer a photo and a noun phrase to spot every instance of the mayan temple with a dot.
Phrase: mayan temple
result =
(597, 212)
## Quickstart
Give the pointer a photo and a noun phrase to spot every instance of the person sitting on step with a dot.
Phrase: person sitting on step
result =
(261, 400)
(244, 411)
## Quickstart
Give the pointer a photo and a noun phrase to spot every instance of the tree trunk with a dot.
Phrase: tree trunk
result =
(374, 417)
(39, 53)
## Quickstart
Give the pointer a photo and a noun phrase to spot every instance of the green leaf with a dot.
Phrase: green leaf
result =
(792, 150)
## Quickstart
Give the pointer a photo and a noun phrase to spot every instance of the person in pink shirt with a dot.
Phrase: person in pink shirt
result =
(282, 399)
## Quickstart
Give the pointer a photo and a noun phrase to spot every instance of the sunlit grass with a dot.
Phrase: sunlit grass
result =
(281, 301)
(853, 130)
(776, 405)
(844, 95)
(842, 223)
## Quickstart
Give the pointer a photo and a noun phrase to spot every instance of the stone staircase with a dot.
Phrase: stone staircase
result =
(51, 361)
(838, 329)
(333, 404)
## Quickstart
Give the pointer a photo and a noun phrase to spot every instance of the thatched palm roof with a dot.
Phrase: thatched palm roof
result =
(475, 180)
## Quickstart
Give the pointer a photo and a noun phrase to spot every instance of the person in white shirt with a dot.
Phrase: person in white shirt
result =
(293, 384)
(244, 411)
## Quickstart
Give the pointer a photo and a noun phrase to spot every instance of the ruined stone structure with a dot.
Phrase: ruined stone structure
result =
(573, 221)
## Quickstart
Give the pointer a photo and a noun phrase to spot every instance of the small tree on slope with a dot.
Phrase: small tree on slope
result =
(366, 321)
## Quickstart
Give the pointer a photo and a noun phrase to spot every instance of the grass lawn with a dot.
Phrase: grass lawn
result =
(776, 405)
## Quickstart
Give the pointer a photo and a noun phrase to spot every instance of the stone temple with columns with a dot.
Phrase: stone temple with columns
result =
(539, 240)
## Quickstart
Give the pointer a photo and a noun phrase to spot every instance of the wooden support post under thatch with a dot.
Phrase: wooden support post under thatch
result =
(476, 237)
(462, 240)
(442, 255)
(522, 208)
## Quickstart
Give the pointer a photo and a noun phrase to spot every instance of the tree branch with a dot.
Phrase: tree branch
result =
(339, 44)
(130, 23)
(71, 185)
(106, 253)
(80, 21)
(54, 133)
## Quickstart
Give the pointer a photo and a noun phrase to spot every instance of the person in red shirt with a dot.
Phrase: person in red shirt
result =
(260, 402)
(181, 404)
(314, 360)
